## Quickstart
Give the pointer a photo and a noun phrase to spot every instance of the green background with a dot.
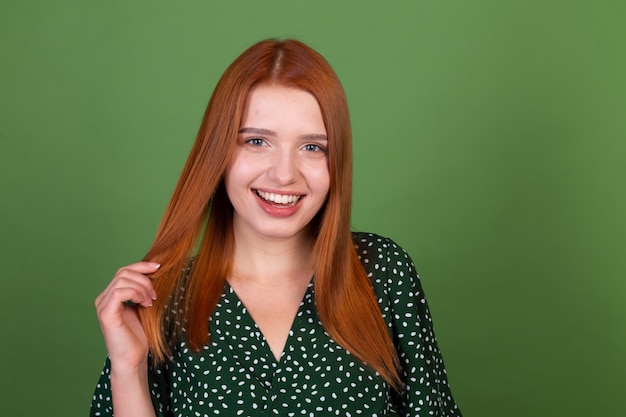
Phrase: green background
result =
(489, 141)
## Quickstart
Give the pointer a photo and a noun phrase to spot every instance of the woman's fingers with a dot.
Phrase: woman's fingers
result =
(130, 284)
(131, 277)
(114, 299)
(127, 289)
(123, 333)
(141, 267)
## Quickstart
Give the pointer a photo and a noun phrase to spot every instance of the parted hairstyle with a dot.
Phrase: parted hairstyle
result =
(198, 218)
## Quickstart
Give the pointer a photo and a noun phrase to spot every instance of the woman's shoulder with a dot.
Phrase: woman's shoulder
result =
(381, 255)
(370, 240)
(372, 243)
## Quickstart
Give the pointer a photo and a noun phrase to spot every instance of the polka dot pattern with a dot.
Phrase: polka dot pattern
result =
(237, 374)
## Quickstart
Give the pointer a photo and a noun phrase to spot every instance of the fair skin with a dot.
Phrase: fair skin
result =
(125, 339)
(277, 182)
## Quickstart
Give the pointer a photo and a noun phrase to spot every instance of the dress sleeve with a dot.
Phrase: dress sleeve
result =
(406, 312)
(101, 403)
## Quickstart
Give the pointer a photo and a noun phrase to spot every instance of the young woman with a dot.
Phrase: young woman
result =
(255, 298)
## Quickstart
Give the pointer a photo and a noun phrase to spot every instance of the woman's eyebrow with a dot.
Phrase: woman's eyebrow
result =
(257, 131)
(268, 132)
(315, 136)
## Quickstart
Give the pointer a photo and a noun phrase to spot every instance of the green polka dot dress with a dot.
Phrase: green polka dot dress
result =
(237, 374)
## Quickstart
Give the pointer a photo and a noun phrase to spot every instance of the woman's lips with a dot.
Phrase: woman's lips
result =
(287, 200)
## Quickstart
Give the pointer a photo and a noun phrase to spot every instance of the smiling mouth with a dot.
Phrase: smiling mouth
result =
(279, 199)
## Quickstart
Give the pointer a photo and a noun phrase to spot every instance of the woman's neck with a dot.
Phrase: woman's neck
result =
(268, 260)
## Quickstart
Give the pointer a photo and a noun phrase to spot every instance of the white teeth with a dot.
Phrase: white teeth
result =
(278, 198)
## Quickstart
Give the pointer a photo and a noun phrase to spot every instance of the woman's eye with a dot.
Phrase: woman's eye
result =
(255, 141)
(312, 147)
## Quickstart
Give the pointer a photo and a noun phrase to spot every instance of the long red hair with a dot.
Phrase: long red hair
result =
(199, 217)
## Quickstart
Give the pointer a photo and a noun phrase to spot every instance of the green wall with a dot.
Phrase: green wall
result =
(489, 141)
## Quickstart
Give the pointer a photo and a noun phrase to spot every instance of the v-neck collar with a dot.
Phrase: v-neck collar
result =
(248, 321)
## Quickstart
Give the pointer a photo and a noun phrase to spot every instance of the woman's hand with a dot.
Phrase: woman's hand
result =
(117, 306)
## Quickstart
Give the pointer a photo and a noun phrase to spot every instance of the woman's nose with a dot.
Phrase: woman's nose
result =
(284, 168)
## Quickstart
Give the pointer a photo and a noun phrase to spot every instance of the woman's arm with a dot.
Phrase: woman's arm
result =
(125, 339)
(130, 392)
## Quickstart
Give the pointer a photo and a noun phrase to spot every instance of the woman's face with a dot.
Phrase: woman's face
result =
(278, 178)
